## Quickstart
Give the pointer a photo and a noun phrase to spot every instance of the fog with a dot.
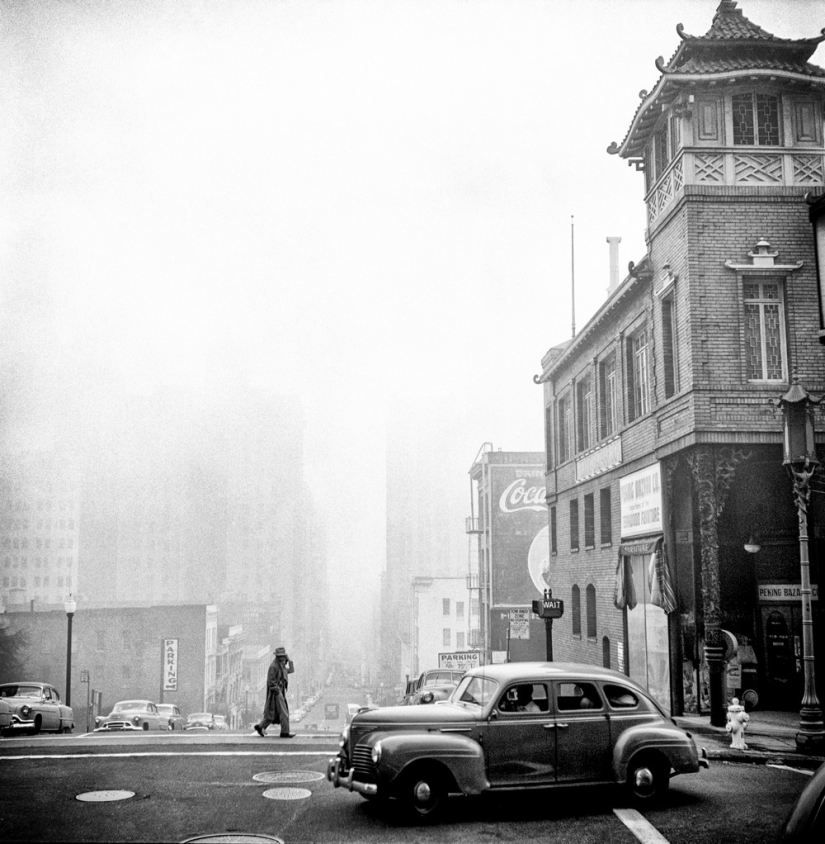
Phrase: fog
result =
(359, 210)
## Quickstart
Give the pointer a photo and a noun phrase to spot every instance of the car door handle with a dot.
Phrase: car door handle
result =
(549, 726)
(562, 726)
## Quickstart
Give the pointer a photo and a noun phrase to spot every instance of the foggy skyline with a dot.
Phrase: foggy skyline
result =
(361, 205)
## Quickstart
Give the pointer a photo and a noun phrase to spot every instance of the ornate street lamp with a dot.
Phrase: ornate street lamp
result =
(816, 213)
(70, 606)
(800, 459)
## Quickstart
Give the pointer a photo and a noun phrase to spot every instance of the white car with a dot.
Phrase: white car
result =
(35, 707)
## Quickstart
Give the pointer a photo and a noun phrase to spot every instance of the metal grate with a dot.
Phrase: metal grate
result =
(232, 838)
(362, 763)
(288, 776)
(104, 796)
(287, 793)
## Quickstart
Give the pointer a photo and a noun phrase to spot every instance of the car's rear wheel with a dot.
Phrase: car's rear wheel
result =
(422, 793)
(648, 778)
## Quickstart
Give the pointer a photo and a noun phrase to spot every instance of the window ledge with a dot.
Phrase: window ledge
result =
(589, 547)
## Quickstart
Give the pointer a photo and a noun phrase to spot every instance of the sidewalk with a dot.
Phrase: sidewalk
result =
(770, 737)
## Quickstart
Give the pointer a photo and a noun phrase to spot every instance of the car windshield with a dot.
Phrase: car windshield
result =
(166, 707)
(125, 705)
(475, 690)
(20, 691)
(200, 716)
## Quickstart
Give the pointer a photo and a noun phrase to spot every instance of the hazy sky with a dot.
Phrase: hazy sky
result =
(351, 200)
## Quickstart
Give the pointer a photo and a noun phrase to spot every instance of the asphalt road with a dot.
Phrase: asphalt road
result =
(190, 785)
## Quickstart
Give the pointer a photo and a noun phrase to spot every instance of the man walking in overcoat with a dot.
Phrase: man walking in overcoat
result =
(276, 710)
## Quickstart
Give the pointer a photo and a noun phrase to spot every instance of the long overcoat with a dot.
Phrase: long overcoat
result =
(277, 682)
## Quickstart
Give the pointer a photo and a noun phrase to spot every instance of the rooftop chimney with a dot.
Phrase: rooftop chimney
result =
(614, 263)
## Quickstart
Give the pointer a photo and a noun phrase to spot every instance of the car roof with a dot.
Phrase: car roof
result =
(506, 672)
(28, 683)
(134, 700)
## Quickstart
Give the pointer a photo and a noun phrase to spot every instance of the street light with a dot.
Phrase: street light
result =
(70, 606)
(800, 459)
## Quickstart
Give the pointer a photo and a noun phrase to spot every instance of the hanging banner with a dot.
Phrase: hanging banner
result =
(170, 665)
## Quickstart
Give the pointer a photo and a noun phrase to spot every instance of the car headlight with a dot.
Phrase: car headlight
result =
(136, 719)
(342, 742)
(376, 753)
(25, 711)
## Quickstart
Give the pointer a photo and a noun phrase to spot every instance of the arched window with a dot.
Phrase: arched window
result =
(577, 612)
(606, 652)
(591, 611)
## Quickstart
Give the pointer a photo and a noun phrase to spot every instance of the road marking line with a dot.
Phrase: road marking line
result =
(787, 768)
(642, 829)
(188, 753)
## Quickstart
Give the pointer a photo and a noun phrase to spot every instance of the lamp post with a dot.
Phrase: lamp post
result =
(800, 459)
(70, 606)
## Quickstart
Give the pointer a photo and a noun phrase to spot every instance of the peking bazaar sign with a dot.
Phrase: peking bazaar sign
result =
(170, 665)
(641, 502)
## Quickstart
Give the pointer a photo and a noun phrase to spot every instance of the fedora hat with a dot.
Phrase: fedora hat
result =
(280, 651)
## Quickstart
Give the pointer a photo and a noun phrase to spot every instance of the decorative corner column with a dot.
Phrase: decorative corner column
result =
(713, 472)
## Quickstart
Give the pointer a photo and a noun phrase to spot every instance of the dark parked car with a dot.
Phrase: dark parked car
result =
(806, 820)
(516, 726)
(173, 713)
(200, 721)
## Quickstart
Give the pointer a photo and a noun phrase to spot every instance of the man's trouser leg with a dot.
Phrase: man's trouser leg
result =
(283, 713)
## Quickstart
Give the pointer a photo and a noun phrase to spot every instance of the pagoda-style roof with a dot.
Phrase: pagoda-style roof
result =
(732, 47)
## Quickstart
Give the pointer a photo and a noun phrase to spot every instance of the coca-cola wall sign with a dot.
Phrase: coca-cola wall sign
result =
(519, 515)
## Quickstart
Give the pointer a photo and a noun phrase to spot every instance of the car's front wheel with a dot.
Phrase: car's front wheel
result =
(422, 793)
(648, 778)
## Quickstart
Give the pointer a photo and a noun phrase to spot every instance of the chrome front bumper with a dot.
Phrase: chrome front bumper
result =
(703, 758)
(336, 775)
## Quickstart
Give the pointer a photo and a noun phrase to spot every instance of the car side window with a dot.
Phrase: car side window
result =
(620, 697)
(524, 698)
(47, 694)
(574, 696)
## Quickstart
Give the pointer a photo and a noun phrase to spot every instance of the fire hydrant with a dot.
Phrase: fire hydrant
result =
(737, 722)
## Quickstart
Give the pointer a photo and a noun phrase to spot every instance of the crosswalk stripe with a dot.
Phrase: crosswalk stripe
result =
(642, 829)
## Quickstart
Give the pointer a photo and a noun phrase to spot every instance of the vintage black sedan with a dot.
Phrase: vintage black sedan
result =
(35, 707)
(515, 726)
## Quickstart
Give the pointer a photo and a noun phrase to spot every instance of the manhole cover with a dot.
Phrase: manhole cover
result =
(288, 776)
(232, 838)
(287, 793)
(104, 796)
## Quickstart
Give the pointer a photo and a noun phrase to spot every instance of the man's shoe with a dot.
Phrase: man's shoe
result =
(258, 730)
(287, 735)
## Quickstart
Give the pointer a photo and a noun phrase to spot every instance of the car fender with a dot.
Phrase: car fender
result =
(677, 746)
(461, 755)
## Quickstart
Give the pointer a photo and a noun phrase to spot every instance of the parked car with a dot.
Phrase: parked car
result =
(220, 722)
(516, 726)
(36, 707)
(430, 677)
(806, 820)
(173, 713)
(5, 715)
(132, 716)
(200, 721)
(431, 694)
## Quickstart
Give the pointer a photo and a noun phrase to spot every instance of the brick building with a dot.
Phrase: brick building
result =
(664, 457)
(121, 649)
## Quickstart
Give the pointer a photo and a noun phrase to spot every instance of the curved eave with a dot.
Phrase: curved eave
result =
(636, 138)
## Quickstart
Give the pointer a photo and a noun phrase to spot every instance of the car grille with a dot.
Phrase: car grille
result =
(362, 763)
(119, 725)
